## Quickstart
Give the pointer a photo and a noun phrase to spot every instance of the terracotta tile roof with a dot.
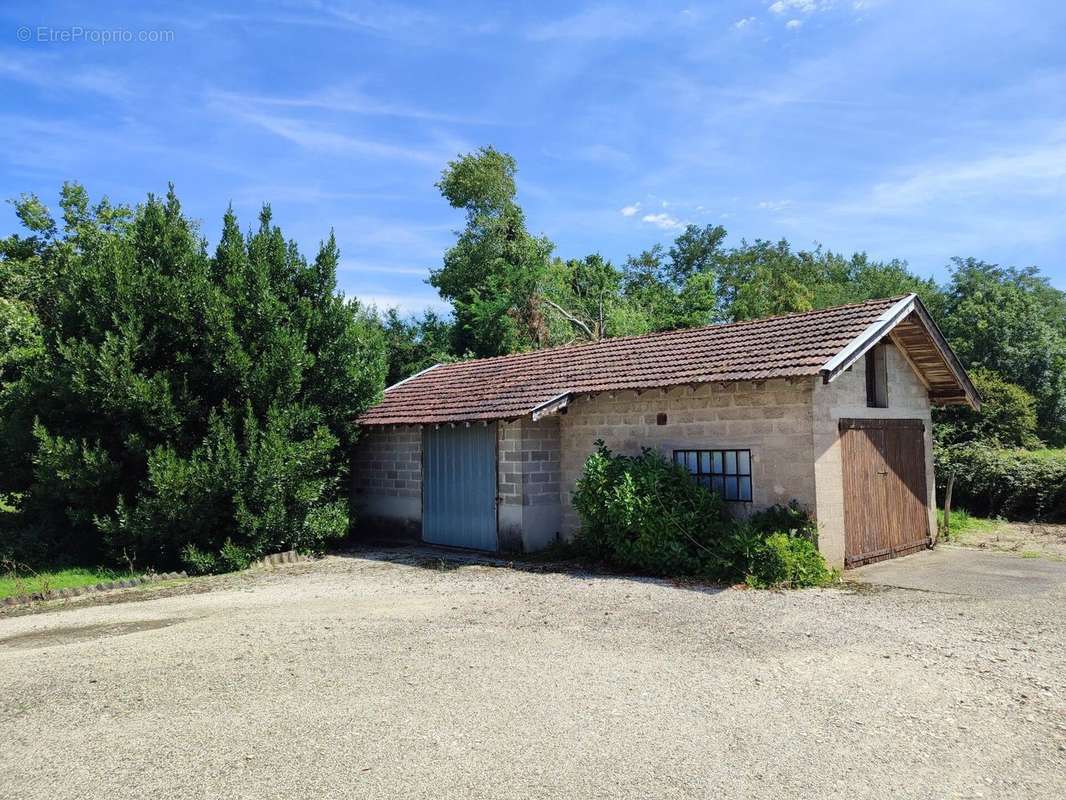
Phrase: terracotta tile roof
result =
(513, 386)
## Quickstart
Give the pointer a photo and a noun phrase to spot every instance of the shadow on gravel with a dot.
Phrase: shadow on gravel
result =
(447, 559)
(54, 636)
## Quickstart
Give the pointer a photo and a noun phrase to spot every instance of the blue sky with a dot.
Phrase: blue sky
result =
(917, 130)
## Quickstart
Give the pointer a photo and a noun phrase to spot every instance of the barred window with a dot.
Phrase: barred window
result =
(727, 472)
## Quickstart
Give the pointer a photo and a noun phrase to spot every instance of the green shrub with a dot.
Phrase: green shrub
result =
(776, 547)
(198, 562)
(1016, 484)
(788, 561)
(646, 514)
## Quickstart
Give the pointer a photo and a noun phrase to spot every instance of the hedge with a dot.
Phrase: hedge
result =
(1016, 484)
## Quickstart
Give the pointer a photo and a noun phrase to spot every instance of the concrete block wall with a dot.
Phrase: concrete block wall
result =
(387, 480)
(772, 419)
(528, 484)
(845, 398)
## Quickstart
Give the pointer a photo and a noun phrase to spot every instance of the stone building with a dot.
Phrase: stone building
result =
(827, 408)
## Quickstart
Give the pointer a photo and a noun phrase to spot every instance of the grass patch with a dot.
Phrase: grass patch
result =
(1044, 454)
(963, 523)
(19, 582)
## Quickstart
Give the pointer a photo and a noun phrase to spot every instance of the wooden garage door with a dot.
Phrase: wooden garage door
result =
(885, 493)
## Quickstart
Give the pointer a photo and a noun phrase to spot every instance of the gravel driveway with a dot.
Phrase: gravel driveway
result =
(358, 677)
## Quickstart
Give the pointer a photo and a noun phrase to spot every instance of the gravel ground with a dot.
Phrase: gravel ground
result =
(357, 677)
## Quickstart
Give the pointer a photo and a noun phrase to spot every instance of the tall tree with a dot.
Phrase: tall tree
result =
(492, 273)
(189, 409)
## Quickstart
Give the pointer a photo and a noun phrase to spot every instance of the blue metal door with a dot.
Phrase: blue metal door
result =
(459, 486)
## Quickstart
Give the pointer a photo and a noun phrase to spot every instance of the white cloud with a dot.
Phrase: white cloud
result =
(793, 24)
(629, 211)
(774, 205)
(741, 24)
(664, 221)
(802, 6)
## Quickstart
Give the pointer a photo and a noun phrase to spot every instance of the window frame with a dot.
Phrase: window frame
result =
(712, 479)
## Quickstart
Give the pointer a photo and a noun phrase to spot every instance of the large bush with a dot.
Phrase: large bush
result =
(990, 481)
(647, 515)
(178, 407)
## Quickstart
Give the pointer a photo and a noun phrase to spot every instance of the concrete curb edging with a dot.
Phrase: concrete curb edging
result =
(271, 561)
(78, 591)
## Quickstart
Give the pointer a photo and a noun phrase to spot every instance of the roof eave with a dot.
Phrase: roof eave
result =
(882, 326)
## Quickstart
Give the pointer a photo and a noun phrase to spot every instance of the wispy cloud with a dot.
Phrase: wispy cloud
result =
(1035, 170)
(774, 205)
(663, 221)
(794, 24)
(741, 24)
(319, 139)
(61, 75)
(630, 210)
(599, 22)
(349, 100)
(302, 193)
(359, 266)
(382, 19)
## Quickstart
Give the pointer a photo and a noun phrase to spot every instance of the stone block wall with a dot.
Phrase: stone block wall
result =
(528, 484)
(387, 481)
(772, 419)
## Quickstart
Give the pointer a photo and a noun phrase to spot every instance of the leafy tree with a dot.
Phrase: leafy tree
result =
(856, 279)
(415, 343)
(764, 279)
(647, 289)
(492, 273)
(696, 250)
(1011, 321)
(678, 288)
(1007, 416)
(583, 301)
(189, 408)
